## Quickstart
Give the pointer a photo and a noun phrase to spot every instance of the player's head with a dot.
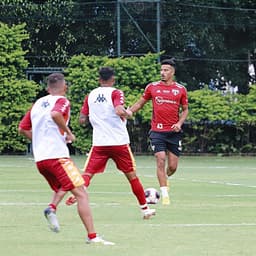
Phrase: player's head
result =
(106, 76)
(170, 62)
(56, 83)
(167, 70)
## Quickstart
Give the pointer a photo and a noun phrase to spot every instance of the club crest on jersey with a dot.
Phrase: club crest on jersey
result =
(175, 92)
(100, 98)
(45, 104)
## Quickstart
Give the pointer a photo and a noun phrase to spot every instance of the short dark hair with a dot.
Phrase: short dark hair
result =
(106, 73)
(170, 62)
(54, 78)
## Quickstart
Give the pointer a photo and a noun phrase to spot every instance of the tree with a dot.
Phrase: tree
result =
(203, 36)
(16, 93)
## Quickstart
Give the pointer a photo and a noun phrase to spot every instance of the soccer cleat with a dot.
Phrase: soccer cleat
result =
(165, 200)
(71, 200)
(148, 213)
(51, 217)
(98, 240)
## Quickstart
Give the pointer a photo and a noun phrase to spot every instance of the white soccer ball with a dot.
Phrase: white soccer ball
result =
(152, 195)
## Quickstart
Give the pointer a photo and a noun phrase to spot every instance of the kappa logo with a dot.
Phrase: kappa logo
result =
(100, 98)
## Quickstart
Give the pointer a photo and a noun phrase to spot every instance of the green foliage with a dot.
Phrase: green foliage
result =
(203, 36)
(16, 93)
(220, 123)
(207, 105)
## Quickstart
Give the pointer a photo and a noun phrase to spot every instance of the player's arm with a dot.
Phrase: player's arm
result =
(84, 113)
(137, 106)
(25, 126)
(59, 119)
(118, 100)
(183, 115)
(122, 112)
(83, 119)
(60, 115)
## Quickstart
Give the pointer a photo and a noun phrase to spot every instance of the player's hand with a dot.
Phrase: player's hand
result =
(176, 127)
(70, 138)
(129, 113)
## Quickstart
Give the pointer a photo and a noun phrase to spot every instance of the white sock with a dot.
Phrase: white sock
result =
(164, 191)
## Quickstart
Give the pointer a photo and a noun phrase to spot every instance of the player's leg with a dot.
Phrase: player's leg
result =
(83, 208)
(125, 162)
(173, 153)
(159, 147)
(87, 178)
(95, 163)
(57, 197)
(50, 211)
(85, 214)
(161, 176)
(138, 191)
(44, 168)
(172, 164)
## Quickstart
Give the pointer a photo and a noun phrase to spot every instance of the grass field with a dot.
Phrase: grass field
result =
(212, 211)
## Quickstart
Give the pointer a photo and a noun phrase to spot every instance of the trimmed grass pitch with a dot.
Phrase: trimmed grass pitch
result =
(212, 211)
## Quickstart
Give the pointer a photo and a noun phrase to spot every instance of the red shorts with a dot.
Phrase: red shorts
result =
(99, 155)
(60, 173)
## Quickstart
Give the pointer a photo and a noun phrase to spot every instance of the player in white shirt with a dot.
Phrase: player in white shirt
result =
(104, 109)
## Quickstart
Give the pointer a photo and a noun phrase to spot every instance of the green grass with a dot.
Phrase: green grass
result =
(212, 211)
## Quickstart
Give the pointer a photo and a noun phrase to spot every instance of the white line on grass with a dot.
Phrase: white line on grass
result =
(38, 204)
(218, 182)
(205, 225)
(238, 195)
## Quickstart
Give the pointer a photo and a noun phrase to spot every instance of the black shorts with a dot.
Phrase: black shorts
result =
(166, 141)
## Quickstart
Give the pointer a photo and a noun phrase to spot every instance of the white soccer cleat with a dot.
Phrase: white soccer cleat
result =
(51, 217)
(98, 240)
(165, 200)
(148, 213)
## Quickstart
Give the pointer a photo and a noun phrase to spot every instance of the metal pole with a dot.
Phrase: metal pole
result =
(118, 29)
(158, 28)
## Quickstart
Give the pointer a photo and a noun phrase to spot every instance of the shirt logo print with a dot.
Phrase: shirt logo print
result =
(175, 92)
(100, 98)
(45, 104)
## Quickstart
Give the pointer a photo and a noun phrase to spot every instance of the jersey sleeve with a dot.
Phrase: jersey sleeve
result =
(85, 108)
(118, 98)
(184, 98)
(147, 92)
(62, 105)
(25, 122)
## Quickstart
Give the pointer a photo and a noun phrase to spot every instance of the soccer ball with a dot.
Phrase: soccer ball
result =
(152, 195)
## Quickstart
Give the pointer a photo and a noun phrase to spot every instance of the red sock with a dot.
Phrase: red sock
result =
(92, 235)
(87, 180)
(138, 190)
(53, 206)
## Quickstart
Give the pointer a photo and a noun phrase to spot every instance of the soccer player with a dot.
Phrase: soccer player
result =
(104, 109)
(170, 110)
(46, 124)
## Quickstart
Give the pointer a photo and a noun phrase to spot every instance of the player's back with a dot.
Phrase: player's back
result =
(108, 128)
(48, 141)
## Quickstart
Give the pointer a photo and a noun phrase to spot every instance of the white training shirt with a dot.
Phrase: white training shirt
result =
(48, 141)
(108, 128)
